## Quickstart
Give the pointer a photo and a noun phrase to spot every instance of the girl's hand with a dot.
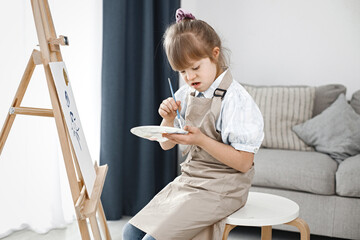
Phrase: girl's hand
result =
(167, 109)
(194, 137)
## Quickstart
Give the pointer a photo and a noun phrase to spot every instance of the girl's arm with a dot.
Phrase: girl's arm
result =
(167, 111)
(168, 144)
(239, 160)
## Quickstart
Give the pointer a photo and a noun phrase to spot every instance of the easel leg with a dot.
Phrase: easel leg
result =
(30, 67)
(95, 227)
(102, 220)
(303, 228)
(84, 231)
(228, 228)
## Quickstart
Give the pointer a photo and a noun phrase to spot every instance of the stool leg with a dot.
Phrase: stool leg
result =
(303, 228)
(228, 228)
(266, 233)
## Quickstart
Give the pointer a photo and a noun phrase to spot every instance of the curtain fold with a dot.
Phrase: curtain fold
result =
(134, 83)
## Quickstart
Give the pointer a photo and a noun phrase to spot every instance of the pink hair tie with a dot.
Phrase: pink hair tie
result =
(182, 14)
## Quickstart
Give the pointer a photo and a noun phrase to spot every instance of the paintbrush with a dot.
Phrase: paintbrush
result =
(177, 110)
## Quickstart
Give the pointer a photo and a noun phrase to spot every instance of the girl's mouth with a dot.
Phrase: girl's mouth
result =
(195, 84)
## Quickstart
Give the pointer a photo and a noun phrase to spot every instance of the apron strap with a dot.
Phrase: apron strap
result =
(220, 91)
(188, 147)
(219, 94)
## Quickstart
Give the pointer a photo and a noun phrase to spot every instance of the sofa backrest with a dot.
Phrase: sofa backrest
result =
(283, 107)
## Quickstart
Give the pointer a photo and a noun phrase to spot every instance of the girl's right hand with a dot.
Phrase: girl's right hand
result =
(167, 109)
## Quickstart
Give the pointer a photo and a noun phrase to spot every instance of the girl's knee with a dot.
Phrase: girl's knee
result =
(148, 237)
(130, 232)
(126, 231)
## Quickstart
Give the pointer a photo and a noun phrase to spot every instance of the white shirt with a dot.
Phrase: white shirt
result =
(240, 121)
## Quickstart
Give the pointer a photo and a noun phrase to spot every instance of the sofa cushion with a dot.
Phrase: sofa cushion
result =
(335, 131)
(325, 96)
(348, 177)
(295, 170)
(283, 107)
(355, 101)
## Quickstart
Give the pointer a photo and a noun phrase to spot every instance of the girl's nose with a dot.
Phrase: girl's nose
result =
(190, 75)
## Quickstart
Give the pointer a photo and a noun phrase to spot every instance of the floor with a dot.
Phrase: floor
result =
(72, 233)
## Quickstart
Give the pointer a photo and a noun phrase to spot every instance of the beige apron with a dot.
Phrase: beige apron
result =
(196, 203)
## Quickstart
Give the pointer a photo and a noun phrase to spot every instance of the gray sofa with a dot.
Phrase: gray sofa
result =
(326, 189)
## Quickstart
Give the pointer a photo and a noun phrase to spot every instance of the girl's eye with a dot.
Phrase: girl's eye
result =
(182, 72)
(196, 68)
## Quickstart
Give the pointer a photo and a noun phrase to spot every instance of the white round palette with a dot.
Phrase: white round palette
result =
(154, 133)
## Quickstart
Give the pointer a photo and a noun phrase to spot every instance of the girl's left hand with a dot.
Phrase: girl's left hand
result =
(194, 137)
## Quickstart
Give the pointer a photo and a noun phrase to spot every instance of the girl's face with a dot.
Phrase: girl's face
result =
(201, 74)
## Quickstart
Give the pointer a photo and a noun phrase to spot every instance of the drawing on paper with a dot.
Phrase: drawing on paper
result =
(72, 119)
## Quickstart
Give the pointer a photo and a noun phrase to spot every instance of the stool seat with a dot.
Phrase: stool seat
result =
(263, 209)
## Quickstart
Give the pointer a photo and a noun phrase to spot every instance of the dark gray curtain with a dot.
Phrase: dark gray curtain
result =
(134, 82)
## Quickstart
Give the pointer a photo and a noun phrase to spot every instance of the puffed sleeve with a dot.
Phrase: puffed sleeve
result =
(241, 122)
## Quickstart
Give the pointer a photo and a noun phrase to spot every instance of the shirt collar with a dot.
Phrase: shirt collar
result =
(209, 93)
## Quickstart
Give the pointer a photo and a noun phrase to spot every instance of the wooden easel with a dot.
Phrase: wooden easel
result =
(86, 207)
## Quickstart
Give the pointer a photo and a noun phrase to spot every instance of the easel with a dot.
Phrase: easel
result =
(86, 207)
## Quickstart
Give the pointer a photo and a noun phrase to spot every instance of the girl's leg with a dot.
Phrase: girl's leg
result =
(148, 237)
(132, 233)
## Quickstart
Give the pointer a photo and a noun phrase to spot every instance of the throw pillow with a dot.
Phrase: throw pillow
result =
(335, 131)
(355, 101)
(282, 108)
(325, 96)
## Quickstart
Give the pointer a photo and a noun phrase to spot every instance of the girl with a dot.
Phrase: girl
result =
(225, 130)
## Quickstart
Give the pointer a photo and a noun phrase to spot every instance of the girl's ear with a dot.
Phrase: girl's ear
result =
(216, 52)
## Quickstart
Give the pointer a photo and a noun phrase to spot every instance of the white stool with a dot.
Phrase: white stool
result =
(265, 210)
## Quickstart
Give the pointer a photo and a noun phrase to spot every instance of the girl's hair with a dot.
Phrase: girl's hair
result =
(191, 40)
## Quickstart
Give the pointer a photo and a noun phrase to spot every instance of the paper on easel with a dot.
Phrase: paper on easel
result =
(72, 119)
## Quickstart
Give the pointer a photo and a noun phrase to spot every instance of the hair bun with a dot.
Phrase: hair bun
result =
(182, 14)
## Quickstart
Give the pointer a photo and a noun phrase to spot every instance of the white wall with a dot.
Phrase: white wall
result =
(81, 21)
(33, 184)
(288, 42)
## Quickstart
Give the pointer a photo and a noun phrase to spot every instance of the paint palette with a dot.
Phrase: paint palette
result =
(154, 133)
